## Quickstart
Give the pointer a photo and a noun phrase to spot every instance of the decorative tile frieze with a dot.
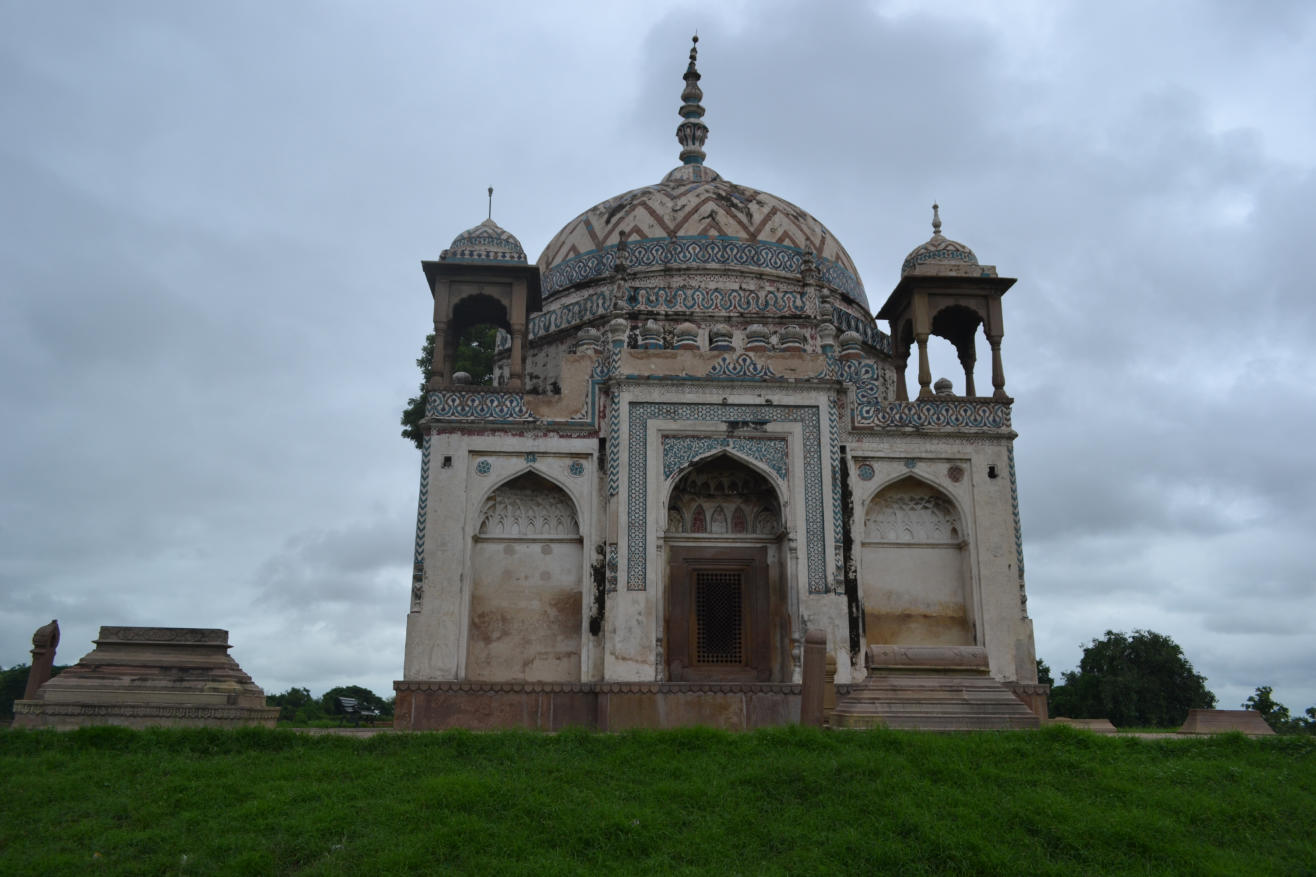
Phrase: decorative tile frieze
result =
(834, 449)
(566, 315)
(1018, 535)
(737, 301)
(699, 250)
(938, 414)
(874, 337)
(504, 407)
(422, 503)
(741, 367)
(637, 486)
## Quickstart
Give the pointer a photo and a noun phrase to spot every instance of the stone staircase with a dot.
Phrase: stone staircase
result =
(930, 688)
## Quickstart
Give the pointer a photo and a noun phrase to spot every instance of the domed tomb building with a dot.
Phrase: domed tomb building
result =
(697, 445)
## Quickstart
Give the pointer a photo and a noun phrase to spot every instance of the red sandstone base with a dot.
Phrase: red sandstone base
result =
(427, 706)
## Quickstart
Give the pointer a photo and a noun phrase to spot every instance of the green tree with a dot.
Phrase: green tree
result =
(364, 696)
(415, 410)
(474, 355)
(1044, 673)
(13, 683)
(296, 705)
(1138, 680)
(1277, 714)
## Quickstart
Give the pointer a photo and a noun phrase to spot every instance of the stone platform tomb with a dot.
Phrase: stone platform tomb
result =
(140, 677)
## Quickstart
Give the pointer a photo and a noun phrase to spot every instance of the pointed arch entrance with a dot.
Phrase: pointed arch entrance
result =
(726, 616)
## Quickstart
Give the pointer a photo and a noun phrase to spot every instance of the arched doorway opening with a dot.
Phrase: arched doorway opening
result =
(726, 612)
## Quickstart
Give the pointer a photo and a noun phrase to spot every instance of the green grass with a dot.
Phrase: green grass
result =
(789, 800)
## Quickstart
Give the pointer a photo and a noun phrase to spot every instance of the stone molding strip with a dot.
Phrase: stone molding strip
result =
(599, 687)
(142, 711)
(973, 658)
(171, 635)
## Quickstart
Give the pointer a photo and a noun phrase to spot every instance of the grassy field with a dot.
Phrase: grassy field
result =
(789, 800)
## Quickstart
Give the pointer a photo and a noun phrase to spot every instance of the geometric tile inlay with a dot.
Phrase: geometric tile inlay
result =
(739, 301)
(423, 501)
(637, 487)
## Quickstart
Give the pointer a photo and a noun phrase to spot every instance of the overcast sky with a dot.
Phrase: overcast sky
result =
(212, 218)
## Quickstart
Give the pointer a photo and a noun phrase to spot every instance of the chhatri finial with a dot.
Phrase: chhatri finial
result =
(491, 203)
(936, 221)
(692, 131)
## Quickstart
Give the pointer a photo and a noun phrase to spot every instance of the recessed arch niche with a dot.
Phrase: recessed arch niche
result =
(726, 615)
(526, 585)
(915, 583)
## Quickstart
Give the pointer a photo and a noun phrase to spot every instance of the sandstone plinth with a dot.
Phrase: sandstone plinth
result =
(150, 676)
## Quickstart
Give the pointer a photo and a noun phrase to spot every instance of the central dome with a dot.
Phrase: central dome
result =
(695, 218)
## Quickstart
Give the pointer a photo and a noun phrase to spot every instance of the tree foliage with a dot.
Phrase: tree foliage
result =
(1142, 680)
(415, 410)
(13, 684)
(299, 706)
(1277, 714)
(296, 705)
(364, 696)
(474, 355)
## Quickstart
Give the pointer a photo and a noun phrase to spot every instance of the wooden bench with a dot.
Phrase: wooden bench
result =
(353, 708)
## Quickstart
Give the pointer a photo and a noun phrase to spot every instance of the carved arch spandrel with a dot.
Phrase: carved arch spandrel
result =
(915, 512)
(528, 506)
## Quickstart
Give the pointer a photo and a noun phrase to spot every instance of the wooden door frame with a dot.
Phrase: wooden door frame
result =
(686, 559)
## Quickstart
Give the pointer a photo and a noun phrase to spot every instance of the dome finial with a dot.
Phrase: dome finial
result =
(692, 131)
(491, 203)
(936, 220)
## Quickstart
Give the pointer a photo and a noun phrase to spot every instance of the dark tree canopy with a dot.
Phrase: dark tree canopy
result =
(1142, 680)
(13, 682)
(363, 696)
(474, 355)
(1277, 714)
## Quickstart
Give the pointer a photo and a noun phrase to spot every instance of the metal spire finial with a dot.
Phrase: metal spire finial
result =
(936, 220)
(692, 131)
(491, 203)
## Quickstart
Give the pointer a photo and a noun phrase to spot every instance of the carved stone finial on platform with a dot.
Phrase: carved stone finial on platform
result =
(44, 642)
(692, 131)
(936, 220)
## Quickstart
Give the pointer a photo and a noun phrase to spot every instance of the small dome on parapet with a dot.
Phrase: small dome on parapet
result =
(487, 242)
(941, 255)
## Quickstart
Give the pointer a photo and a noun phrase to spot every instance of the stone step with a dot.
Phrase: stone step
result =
(934, 701)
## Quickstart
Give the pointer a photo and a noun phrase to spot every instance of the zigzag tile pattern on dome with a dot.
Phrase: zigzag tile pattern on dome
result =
(708, 222)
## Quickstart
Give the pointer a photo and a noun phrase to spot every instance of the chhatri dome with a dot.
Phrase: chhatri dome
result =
(693, 218)
(487, 242)
(941, 255)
